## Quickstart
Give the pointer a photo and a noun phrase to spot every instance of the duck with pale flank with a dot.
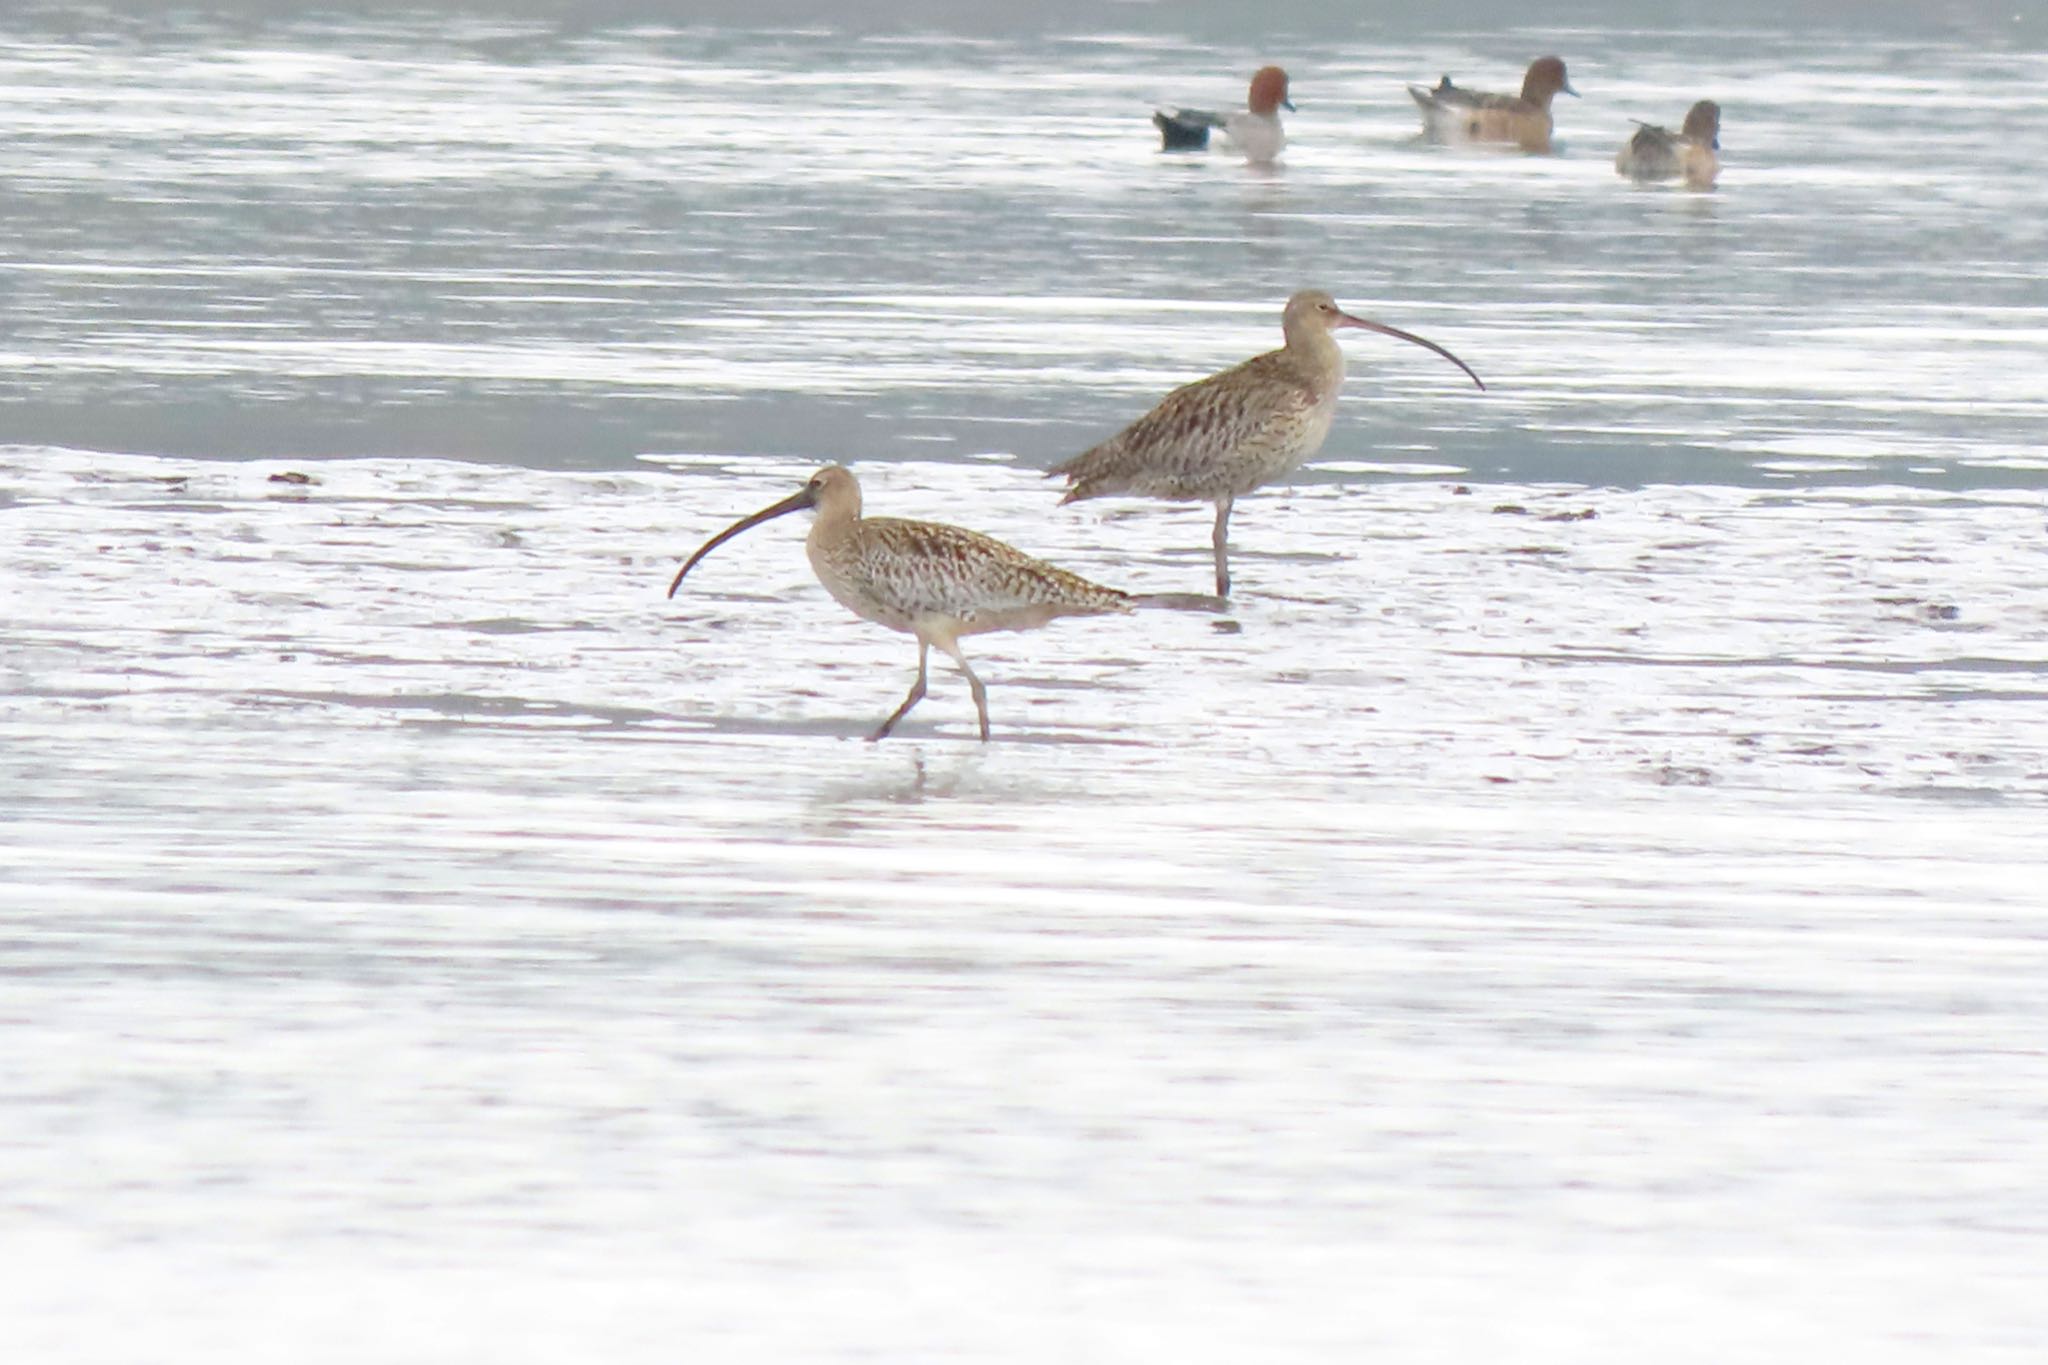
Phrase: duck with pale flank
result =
(1253, 131)
(1451, 113)
(1692, 154)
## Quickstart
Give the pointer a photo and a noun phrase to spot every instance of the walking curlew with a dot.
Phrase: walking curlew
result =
(1659, 154)
(1451, 113)
(936, 582)
(1254, 130)
(1219, 438)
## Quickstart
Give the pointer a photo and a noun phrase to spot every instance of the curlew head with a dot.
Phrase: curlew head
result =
(1703, 124)
(832, 490)
(1314, 309)
(1546, 78)
(1269, 92)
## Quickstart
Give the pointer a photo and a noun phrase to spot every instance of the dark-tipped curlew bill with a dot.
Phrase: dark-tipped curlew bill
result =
(939, 583)
(1219, 438)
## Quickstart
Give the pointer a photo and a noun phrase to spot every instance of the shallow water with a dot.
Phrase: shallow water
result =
(470, 240)
(1582, 899)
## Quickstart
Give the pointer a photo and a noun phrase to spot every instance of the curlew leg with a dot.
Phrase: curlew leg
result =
(1222, 543)
(916, 694)
(980, 692)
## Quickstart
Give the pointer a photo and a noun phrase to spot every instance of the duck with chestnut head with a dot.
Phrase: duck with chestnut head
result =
(1253, 131)
(1451, 113)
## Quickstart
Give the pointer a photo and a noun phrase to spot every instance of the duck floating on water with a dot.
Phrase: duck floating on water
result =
(1693, 153)
(1254, 130)
(1451, 113)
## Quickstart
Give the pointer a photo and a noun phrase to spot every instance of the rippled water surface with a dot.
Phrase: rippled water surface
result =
(1583, 899)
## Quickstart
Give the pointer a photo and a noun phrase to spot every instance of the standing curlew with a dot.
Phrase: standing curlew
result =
(1219, 438)
(1451, 113)
(936, 582)
(1254, 130)
(1659, 154)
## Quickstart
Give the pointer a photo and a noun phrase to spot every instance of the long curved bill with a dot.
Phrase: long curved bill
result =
(1346, 320)
(806, 496)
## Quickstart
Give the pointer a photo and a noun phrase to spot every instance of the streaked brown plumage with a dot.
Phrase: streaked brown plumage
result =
(1656, 153)
(1219, 438)
(936, 582)
(1454, 114)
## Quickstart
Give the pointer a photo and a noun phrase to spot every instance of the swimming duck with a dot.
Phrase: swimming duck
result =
(1693, 153)
(1254, 130)
(1451, 113)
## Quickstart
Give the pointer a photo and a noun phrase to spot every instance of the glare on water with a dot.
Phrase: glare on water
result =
(1581, 900)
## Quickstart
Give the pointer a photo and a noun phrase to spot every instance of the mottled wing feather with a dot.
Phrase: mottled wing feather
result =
(1217, 436)
(1446, 96)
(1651, 153)
(1649, 137)
(1513, 104)
(921, 568)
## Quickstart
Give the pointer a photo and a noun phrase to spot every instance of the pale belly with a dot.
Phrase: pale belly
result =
(1255, 137)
